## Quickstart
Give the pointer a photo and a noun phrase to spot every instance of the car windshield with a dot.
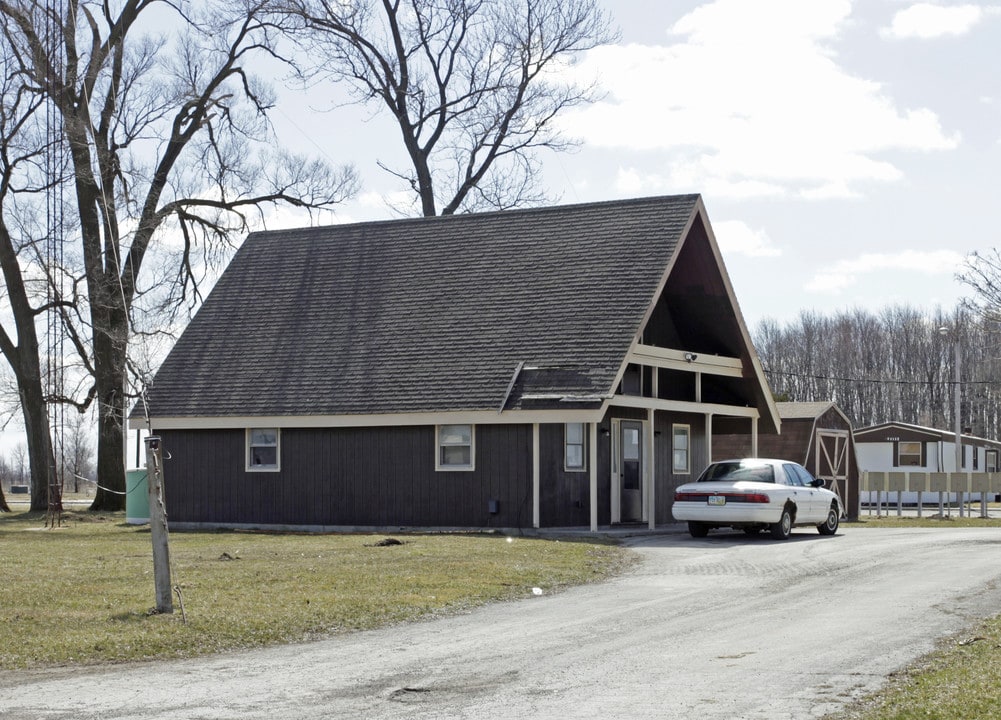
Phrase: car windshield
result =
(734, 471)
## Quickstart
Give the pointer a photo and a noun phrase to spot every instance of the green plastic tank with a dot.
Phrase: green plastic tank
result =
(136, 497)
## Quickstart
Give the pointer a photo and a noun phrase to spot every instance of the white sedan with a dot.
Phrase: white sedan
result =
(755, 494)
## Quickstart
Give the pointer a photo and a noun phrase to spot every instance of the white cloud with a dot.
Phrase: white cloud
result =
(736, 238)
(742, 105)
(927, 20)
(847, 273)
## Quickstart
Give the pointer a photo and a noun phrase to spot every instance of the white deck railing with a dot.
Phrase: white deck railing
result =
(890, 486)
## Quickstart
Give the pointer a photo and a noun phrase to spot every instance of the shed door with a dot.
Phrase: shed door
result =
(832, 461)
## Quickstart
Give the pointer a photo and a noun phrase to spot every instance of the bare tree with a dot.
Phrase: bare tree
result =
(981, 272)
(168, 145)
(22, 180)
(77, 461)
(6, 478)
(891, 365)
(473, 85)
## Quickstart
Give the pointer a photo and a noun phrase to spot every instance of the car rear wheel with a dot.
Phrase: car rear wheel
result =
(697, 529)
(830, 525)
(781, 529)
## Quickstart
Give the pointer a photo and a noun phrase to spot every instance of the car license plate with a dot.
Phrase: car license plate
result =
(717, 500)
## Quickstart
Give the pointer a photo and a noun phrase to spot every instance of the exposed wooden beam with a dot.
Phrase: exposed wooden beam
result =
(687, 361)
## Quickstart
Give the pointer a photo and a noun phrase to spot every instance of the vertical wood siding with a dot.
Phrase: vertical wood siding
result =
(667, 480)
(350, 477)
(564, 497)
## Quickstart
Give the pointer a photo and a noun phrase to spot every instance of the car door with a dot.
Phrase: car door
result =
(802, 494)
(814, 508)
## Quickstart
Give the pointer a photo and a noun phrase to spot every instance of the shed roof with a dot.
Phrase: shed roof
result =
(427, 314)
(802, 410)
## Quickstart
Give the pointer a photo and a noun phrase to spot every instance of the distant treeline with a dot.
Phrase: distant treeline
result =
(897, 364)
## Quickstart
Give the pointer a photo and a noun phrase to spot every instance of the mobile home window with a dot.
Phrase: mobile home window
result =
(909, 454)
(263, 450)
(455, 447)
(991, 461)
(573, 447)
(682, 457)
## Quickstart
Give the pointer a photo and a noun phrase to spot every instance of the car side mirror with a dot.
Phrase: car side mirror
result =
(817, 482)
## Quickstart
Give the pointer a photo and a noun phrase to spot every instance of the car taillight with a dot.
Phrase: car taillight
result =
(689, 497)
(756, 498)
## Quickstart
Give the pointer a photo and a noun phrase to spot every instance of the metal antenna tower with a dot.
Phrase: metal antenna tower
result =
(55, 166)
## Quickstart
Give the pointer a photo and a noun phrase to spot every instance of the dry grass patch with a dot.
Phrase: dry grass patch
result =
(82, 593)
(961, 680)
(930, 519)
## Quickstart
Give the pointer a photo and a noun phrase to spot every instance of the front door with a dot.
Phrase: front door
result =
(631, 467)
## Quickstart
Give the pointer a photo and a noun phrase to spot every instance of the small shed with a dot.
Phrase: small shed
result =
(818, 435)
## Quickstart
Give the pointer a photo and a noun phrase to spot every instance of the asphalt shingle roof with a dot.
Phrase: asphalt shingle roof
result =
(423, 315)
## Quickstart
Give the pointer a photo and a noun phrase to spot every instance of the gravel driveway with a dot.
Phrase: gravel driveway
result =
(726, 627)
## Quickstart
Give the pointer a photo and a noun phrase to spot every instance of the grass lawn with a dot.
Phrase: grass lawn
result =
(81, 594)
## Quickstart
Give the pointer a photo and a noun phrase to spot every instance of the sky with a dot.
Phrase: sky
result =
(848, 153)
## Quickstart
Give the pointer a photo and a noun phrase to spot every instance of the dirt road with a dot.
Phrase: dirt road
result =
(727, 627)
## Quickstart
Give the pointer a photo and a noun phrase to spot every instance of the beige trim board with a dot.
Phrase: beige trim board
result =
(481, 417)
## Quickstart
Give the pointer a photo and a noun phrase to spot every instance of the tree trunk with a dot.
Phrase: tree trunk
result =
(110, 333)
(36, 427)
(4, 507)
(23, 359)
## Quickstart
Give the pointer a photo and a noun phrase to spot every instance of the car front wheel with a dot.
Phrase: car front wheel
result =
(781, 529)
(830, 525)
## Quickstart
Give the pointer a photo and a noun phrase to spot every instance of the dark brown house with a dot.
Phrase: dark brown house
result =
(533, 368)
(817, 435)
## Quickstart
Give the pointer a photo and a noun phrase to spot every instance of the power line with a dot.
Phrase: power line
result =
(878, 381)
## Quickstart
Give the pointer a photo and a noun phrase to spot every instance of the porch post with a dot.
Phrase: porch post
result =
(536, 481)
(709, 437)
(754, 437)
(593, 465)
(651, 455)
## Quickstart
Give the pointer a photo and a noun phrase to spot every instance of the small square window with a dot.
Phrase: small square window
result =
(455, 447)
(263, 450)
(573, 448)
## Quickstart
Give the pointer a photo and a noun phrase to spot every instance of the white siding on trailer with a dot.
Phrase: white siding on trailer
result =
(874, 456)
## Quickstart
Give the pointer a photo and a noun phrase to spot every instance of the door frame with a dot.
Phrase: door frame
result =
(839, 463)
(615, 469)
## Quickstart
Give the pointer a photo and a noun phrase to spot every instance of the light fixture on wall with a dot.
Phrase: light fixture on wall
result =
(691, 357)
(605, 431)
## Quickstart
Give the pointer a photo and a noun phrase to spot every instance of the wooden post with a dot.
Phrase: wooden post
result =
(158, 526)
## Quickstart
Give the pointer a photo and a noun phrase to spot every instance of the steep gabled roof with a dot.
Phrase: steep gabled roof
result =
(516, 310)
(423, 315)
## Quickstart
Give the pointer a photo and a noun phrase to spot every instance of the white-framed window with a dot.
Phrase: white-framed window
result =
(909, 454)
(456, 447)
(574, 448)
(681, 449)
(991, 461)
(263, 450)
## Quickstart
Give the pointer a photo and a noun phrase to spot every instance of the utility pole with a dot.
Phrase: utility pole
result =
(958, 423)
(158, 526)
